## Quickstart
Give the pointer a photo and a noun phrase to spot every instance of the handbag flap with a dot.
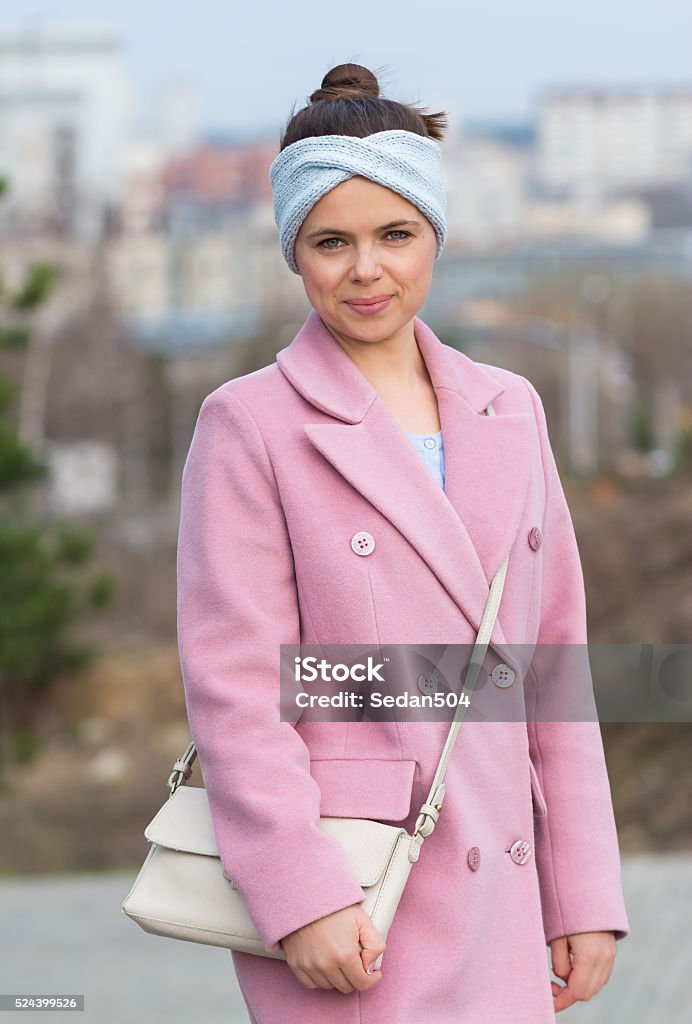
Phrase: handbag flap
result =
(184, 823)
(368, 845)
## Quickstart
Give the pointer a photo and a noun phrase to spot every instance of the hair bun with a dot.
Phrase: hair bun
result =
(347, 81)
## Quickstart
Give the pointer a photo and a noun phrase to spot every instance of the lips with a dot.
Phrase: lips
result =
(374, 301)
(368, 307)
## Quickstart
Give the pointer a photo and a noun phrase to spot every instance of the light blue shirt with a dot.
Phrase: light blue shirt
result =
(431, 449)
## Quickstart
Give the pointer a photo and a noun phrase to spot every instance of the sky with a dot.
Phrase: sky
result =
(250, 63)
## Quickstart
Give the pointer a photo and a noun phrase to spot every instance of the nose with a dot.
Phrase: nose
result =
(365, 266)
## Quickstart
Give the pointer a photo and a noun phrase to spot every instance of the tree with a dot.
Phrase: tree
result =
(45, 590)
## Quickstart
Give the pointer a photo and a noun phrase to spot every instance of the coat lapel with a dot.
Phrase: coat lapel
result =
(462, 533)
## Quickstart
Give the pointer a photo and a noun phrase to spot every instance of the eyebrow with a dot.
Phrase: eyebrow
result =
(340, 231)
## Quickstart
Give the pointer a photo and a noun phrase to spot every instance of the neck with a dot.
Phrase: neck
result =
(394, 362)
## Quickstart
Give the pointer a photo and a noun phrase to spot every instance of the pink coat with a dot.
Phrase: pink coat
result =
(285, 466)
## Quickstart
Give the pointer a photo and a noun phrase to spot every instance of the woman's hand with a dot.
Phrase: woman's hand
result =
(583, 960)
(326, 953)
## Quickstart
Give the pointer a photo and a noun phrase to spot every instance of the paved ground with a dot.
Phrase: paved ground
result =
(68, 935)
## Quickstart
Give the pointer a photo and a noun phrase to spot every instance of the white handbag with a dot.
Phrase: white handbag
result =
(183, 892)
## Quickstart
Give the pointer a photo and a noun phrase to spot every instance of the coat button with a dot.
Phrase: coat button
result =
(535, 538)
(520, 851)
(427, 683)
(363, 542)
(502, 675)
(474, 858)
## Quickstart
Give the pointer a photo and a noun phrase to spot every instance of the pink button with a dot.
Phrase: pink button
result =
(535, 538)
(474, 858)
(520, 851)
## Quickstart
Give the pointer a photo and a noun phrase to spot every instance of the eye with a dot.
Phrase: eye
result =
(394, 231)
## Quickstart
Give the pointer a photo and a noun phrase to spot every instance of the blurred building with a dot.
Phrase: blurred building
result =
(83, 477)
(64, 108)
(486, 182)
(176, 117)
(622, 219)
(209, 180)
(141, 203)
(198, 237)
(494, 199)
(598, 139)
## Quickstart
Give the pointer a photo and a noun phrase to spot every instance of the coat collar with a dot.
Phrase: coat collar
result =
(462, 533)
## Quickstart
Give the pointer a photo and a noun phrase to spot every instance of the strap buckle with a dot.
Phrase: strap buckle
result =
(182, 769)
(427, 819)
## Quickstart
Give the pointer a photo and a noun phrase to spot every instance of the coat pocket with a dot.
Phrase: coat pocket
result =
(539, 805)
(374, 788)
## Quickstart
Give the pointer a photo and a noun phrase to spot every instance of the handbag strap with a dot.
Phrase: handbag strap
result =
(430, 808)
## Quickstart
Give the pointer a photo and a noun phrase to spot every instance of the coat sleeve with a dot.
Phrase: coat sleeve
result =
(237, 602)
(577, 853)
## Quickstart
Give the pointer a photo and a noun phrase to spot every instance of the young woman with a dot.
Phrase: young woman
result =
(354, 491)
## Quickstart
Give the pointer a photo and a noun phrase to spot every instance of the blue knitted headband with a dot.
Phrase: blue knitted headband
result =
(403, 161)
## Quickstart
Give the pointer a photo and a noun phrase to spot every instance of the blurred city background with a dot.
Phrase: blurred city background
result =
(140, 268)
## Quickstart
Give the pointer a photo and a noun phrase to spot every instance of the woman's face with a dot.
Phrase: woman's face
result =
(359, 241)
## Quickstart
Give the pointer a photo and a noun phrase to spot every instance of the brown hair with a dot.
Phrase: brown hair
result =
(349, 103)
